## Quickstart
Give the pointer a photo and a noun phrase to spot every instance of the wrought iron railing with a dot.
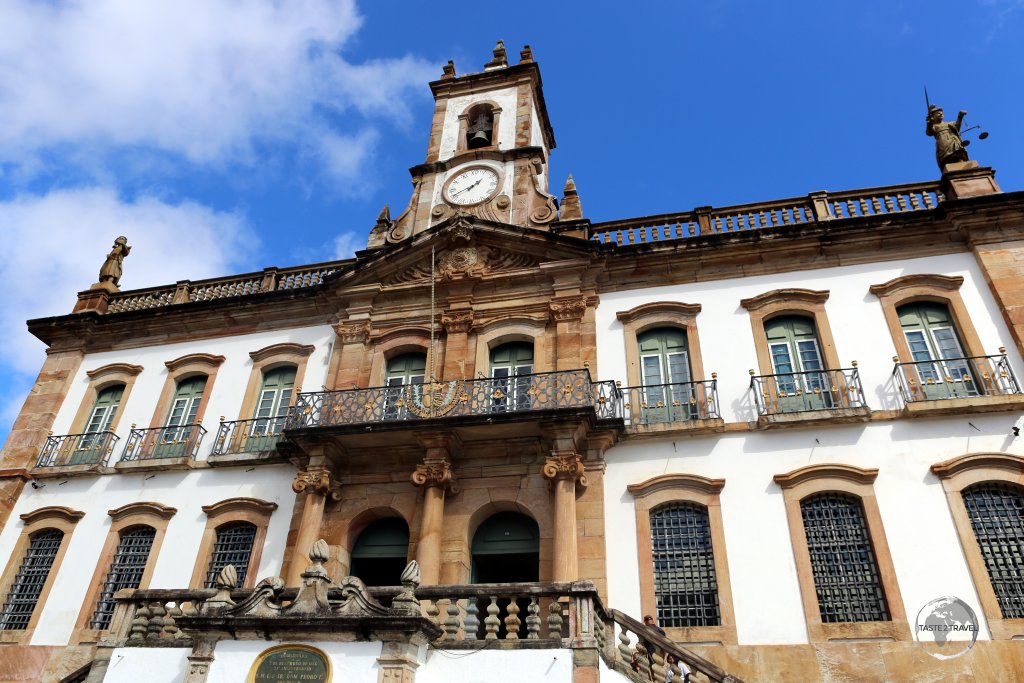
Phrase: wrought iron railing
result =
(258, 435)
(934, 380)
(91, 448)
(675, 403)
(159, 443)
(797, 392)
(456, 398)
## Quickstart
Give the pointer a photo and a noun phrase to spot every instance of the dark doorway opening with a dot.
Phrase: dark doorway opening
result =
(381, 552)
(506, 549)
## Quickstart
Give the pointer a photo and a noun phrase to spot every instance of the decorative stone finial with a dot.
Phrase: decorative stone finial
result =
(448, 70)
(384, 216)
(312, 596)
(571, 207)
(226, 581)
(406, 602)
(227, 578)
(500, 59)
(525, 55)
(320, 552)
(949, 146)
(110, 271)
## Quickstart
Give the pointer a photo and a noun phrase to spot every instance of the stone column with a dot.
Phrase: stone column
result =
(316, 484)
(435, 475)
(565, 470)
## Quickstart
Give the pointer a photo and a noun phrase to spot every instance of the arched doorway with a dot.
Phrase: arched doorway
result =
(506, 549)
(381, 552)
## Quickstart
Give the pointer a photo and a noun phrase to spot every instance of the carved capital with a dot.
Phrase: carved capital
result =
(434, 472)
(457, 321)
(564, 465)
(568, 309)
(357, 332)
(317, 481)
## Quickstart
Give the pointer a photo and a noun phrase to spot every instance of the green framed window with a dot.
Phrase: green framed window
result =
(795, 351)
(937, 351)
(666, 376)
(511, 370)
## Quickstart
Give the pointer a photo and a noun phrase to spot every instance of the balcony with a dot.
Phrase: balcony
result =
(953, 385)
(161, 448)
(492, 408)
(243, 442)
(72, 454)
(795, 398)
(689, 406)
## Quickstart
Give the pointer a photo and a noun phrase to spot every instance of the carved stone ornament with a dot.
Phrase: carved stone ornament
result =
(406, 602)
(457, 321)
(564, 466)
(545, 206)
(461, 229)
(433, 472)
(355, 332)
(316, 481)
(460, 261)
(568, 309)
(465, 262)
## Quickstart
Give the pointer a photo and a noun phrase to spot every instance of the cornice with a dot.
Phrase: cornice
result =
(850, 473)
(284, 349)
(676, 482)
(999, 461)
(58, 512)
(114, 369)
(240, 504)
(194, 359)
(783, 296)
(942, 282)
(658, 308)
(142, 508)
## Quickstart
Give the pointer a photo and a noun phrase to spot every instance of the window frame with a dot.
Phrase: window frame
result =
(180, 369)
(271, 358)
(685, 488)
(647, 317)
(955, 475)
(805, 303)
(252, 510)
(102, 378)
(807, 481)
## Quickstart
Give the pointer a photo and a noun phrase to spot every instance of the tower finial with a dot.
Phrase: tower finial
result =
(571, 207)
(500, 59)
(525, 55)
(448, 70)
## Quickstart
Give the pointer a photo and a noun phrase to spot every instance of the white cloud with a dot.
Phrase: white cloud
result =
(55, 245)
(347, 244)
(204, 79)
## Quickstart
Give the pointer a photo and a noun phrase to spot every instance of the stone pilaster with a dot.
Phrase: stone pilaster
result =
(200, 659)
(350, 362)
(398, 662)
(457, 325)
(567, 314)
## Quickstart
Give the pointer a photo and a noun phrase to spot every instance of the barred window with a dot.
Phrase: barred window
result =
(28, 583)
(843, 560)
(233, 546)
(996, 511)
(685, 586)
(125, 571)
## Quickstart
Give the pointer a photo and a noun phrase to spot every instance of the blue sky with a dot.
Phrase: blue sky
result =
(224, 136)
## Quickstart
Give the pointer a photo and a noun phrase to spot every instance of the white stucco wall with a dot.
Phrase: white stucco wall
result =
(486, 666)
(149, 664)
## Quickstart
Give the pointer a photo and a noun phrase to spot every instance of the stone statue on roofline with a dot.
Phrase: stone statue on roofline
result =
(949, 146)
(110, 271)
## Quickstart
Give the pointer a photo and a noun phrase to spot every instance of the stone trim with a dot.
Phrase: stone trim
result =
(250, 510)
(649, 316)
(689, 488)
(99, 379)
(513, 329)
(957, 474)
(183, 368)
(286, 348)
(941, 289)
(806, 481)
(113, 369)
(270, 358)
(194, 359)
(805, 302)
(398, 341)
(53, 517)
(146, 513)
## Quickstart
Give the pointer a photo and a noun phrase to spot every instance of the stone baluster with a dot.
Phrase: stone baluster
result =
(453, 622)
(555, 619)
(512, 620)
(492, 623)
(156, 621)
(140, 623)
(533, 620)
(472, 621)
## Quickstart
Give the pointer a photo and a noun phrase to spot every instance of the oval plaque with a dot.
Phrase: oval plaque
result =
(291, 664)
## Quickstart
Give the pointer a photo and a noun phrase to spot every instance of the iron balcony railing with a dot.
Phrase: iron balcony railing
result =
(91, 448)
(797, 392)
(159, 443)
(258, 435)
(674, 403)
(934, 380)
(457, 398)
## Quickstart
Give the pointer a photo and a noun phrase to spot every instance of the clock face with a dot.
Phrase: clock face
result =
(472, 186)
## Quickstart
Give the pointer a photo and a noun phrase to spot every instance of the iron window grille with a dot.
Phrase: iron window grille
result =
(233, 546)
(28, 583)
(125, 571)
(846, 576)
(996, 512)
(685, 585)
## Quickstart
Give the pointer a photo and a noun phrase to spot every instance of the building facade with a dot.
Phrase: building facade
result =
(783, 429)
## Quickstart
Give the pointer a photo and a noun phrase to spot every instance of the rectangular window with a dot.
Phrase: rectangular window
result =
(125, 571)
(28, 584)
(233, 546)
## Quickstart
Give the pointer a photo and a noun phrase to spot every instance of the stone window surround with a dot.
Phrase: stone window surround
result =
(941, 289)
(651, 316)
(806, 481)
(461, 144)
(493, 335)
(353, 528)
(401, 341)
(802, 302)
(51, 517)
(685, 488)
(149, 514)
(182, 368)
(250, 510)
(271, 358)
(99, 379)
(957, 474)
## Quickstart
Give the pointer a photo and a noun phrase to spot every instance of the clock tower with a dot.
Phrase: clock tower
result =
(490, 141)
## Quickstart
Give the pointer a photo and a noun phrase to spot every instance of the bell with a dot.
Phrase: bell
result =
(479, 139)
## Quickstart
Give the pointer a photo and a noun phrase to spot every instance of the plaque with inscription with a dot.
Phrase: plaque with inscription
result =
(291, 664)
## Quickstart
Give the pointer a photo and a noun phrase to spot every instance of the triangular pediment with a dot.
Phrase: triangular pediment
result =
(464, 247)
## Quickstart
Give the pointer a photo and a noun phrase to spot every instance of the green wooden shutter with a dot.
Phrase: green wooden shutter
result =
(665, 360)
(800, 382)
(938, 355)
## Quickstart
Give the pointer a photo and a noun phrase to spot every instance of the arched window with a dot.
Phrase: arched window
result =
(665, 374)
(685, 585)
(180, 427)
(31, 577)
(233, 545)
(936, 350)
(797, 364)
(996, 512)
(91, 447)
(846, 577)
(480, 127)
(381, 552)
(126, 571)
(271, 408)
(511, 367)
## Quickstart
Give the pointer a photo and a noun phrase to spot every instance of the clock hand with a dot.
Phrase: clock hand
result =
(470, 187)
